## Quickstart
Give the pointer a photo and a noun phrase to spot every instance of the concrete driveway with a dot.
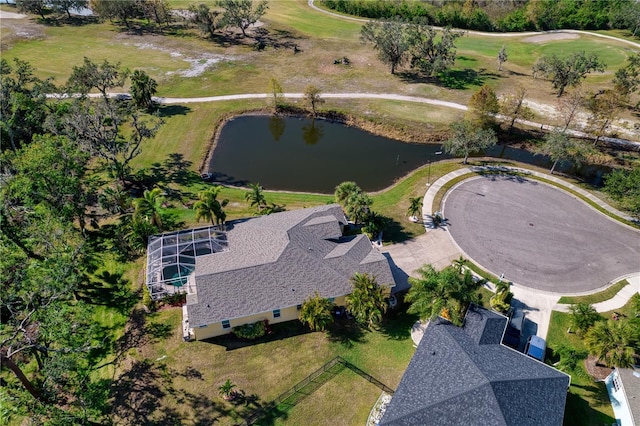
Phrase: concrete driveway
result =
(540, 237)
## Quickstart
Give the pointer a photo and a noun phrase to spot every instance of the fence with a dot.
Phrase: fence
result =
(307, 386)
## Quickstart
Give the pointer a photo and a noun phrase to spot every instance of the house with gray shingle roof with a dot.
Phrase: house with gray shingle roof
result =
(623, 385)
(270, 264)
(465, 376)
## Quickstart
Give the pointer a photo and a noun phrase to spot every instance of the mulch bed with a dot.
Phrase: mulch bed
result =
(597, 371)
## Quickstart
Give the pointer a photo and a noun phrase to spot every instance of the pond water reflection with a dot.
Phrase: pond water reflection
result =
(306, 155)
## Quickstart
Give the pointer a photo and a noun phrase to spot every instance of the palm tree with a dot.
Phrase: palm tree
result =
(345, 190)
(458, 264)
(445, 293)
(150, 207)
(583, 316)
(366, 303)
(136, 231)
(316, 312)
(115, 200)
(226, 390)
(143, 88)
(274, 208)
(612, 342)
(415, 208)
(357, 207)
(208, 206)
(255, 196)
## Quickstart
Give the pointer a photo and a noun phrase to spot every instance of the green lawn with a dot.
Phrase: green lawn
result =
(265, 369)
(587, 401)
(596, 297)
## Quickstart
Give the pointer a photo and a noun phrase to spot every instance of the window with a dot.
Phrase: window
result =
(299, 307)
(276, 313)
(226, 324)
(616, 382)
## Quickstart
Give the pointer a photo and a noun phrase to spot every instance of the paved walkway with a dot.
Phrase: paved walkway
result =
(617, 301)
(536, 304)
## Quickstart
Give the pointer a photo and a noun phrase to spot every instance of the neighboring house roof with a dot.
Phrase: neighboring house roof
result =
(279, 260)
(465, 376)
(630, 378)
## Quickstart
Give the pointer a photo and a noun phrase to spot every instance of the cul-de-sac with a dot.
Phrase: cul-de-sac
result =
(320, 212)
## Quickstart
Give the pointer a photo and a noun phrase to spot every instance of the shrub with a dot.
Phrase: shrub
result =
(250, 331)
(147, 300)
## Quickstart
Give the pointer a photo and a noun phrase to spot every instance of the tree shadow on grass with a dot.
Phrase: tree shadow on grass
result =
(395, 232)
(283, 330)
(174, 170)
(461, 79)
(140, 393)
(397, 324)
(578, 409)
(165, 111)
(346, 332)
(109, 289)
(276, 39)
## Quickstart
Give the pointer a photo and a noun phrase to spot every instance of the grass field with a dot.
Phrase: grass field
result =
(587, 401)
(272, 365)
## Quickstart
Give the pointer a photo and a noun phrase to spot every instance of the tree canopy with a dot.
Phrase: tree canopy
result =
(367, 300)
(483, 106)
(568, 70)
(624, 187)
(242, 13)
(467, 138)
(560, 147)
(428, 50)
(445, 293)
(389, 39)
(316, 312)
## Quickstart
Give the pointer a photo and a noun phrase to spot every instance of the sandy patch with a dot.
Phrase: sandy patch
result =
(11, 15)
(197, 65)
(623, 128)
(543, 38)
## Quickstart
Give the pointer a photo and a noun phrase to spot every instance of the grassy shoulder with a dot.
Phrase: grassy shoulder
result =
(596, 297)
(587, 401)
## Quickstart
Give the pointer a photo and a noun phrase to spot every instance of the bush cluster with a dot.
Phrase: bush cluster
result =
(250, 331)
(488, 16)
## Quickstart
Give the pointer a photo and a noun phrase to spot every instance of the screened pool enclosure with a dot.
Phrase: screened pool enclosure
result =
(171, 257)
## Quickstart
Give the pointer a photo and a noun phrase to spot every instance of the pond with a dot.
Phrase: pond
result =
(306, 155)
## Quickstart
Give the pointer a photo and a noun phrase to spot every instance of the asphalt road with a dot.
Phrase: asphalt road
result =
(539, 236)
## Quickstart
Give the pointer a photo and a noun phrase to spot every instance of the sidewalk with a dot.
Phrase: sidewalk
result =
(617, 301)
(537, 305)
(427, 204)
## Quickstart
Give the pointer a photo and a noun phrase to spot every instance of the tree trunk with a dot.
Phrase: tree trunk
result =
(8, 362)
(36, 355)
(465, 159)
(555, 163)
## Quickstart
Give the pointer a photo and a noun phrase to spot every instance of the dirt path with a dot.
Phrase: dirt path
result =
(384, 96)
(11, 15)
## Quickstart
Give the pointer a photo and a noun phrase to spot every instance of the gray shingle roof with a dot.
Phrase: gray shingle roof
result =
(277, 261)
(463, 375)
(631, 386)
